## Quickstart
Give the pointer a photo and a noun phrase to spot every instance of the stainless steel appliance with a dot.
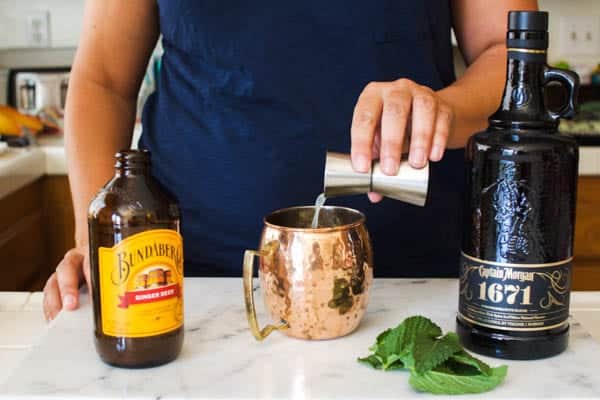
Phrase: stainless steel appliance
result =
(34, 89)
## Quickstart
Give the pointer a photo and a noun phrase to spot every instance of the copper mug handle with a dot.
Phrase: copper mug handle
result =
(268, 251)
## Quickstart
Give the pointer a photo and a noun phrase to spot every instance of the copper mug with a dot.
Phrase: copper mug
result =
(316, 282)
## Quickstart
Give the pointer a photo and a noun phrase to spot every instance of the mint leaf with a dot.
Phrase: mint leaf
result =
(382, 349)
(445, 380)
(419, 325)
(429, 352)
(397, 344)
(437, 364)
(465, 358)
(392, 363)
(395, 366)
(386, 343)
(372, 360)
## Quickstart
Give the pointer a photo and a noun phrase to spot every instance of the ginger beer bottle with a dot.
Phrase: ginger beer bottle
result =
(136, 260)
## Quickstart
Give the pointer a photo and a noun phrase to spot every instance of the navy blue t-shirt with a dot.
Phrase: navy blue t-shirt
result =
(251, 96)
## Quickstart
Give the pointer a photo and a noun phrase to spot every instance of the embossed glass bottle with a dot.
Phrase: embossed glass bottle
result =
(520, 210)
(136, 267)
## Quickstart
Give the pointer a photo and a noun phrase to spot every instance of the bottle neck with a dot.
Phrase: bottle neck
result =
(132, 171)
(523, 104)
(132, 163)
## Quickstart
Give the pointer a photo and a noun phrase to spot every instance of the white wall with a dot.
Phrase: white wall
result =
(558, 8)
(65, 21)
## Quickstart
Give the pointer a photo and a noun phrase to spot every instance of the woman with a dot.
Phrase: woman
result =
(251, 96)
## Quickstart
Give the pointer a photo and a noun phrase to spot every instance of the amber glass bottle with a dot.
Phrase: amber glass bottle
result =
(520, 210)
(136, 259)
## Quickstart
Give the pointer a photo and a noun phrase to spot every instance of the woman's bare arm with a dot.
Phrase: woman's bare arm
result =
(117, 40)
(480, 28)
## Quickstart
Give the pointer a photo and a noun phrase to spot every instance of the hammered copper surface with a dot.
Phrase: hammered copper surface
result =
(317, 280)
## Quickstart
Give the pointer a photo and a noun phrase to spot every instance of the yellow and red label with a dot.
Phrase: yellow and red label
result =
(141, 284)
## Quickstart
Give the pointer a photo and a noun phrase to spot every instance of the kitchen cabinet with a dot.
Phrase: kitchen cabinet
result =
(22, 245)
(37, 229)
(586, 273)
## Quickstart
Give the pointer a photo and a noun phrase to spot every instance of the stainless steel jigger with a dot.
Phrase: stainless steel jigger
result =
(410, 185)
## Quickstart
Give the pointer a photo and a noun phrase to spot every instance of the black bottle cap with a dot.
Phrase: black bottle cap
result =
(528, 21)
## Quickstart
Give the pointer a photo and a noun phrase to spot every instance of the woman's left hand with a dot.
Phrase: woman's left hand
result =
(392, 116)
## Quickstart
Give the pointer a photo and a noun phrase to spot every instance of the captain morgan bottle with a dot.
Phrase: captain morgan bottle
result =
(515, 269)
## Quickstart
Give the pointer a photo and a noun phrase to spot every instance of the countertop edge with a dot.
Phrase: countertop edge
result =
(20, 167)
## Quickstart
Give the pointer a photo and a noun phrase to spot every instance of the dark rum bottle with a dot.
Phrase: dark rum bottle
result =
(515, 272)
(136, 265)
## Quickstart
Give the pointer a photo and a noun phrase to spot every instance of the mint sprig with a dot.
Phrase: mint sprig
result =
(431, 352)
(448, 381)
(437, 364)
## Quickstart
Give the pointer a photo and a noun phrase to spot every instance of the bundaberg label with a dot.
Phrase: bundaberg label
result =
(514, 297)
(141, 284)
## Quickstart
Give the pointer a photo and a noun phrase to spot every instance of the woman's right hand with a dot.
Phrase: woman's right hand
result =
(62, 288)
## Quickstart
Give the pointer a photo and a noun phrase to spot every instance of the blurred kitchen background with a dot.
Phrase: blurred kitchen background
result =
(38, 39)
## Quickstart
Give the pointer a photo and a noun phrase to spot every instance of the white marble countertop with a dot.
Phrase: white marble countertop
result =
(221, 359)
(22, 312)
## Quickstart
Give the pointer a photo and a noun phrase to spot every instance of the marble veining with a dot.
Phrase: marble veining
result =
(221, 359)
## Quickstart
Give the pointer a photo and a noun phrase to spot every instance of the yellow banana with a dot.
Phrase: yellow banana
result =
(8, 126)
(32, 123)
